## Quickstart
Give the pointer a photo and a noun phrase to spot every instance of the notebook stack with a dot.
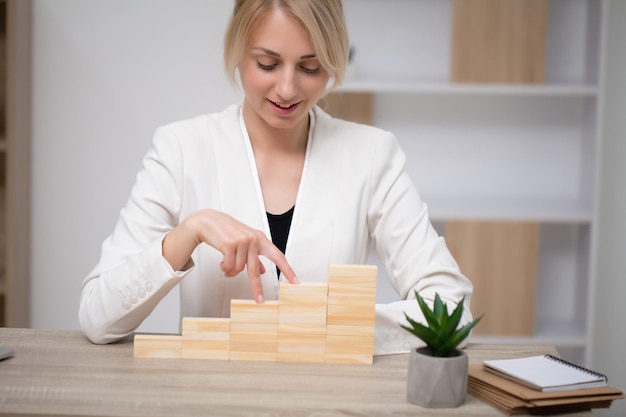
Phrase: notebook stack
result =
(539, 385)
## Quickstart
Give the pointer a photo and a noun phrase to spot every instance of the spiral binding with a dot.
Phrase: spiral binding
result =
(577, 367)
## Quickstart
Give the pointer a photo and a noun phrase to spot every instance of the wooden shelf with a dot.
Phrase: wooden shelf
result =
(15, 153)
(502, 152)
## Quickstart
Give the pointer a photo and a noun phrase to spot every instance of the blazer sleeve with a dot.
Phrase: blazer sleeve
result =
(415, 256)
(132, 276)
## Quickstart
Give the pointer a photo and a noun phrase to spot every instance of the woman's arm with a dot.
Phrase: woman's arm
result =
(132, 276)
(415, 256)
(150, 252)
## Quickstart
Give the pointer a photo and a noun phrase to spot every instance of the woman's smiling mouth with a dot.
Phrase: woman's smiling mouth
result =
(286, 108)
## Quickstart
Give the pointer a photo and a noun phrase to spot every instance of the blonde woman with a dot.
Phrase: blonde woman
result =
(229, 204)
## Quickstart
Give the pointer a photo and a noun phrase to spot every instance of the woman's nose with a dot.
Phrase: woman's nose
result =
(286, 86)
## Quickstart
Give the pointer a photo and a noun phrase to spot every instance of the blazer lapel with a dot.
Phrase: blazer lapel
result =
(240, 196)
(310, 242)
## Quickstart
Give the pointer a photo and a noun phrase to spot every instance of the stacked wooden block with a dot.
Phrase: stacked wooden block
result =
(350, 314)
(302, 322)
(310, 322)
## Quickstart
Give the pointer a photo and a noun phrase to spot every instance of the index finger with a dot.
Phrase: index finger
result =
(255, 268)
(275, 255)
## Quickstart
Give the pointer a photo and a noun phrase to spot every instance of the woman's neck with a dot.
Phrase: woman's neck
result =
(279, 155)
(266, 138)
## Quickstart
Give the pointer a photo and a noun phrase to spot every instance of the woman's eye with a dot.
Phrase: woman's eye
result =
(309, 70)
(265, 67)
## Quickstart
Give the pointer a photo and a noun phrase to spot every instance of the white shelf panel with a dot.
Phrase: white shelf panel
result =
(558, 333)
(509, 210)
(496, 152)
(392, 84)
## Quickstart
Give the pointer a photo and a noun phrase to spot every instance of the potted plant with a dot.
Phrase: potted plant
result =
(437, 375)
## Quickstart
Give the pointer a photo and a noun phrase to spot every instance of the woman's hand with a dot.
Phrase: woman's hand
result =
(240, 244)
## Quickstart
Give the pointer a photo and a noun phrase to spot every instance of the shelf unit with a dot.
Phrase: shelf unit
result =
(410, 85)
(14, 162)
(496, 151)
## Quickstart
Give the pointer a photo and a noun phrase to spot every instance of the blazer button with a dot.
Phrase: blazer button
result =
(141, 292)
(134, 298)
(126, 304)
(149, 286)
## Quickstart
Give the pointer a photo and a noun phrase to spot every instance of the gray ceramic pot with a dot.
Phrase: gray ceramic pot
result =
(435, 382)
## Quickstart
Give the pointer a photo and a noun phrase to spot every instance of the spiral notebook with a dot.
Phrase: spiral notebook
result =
(546, 373)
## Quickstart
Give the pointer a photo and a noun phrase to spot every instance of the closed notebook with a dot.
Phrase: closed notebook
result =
(512, 398)
(546, 373)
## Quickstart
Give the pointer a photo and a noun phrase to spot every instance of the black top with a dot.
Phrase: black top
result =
(279, 228)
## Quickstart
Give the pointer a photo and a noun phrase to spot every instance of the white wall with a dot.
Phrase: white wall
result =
(106, 74)
(608, 325)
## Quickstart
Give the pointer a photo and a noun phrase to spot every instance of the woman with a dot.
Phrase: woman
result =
(227, 204)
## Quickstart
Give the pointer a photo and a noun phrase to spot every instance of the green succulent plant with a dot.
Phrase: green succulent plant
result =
(441, 335)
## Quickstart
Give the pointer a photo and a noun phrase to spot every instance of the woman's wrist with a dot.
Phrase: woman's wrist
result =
(178, 245)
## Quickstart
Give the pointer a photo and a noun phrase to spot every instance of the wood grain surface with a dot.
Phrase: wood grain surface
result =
(495, 41)
(500, 258)
(56, 373)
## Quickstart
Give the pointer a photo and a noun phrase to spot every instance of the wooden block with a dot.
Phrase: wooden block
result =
(300, 327)
(352, 308)
(306, 293)
(249, 311)
(206, 338)
(253, 330)
(302, 318)
(243, 355)
(342, 282)
(206, 349)
(293, 329)
(353, 271)
(350, 349)
(306, 298)
(351, 315)
(346, 299)
(301, 357)
(301, 310)
(253, 341)
(157, 346)
(350, 329)
(253, 345)
(253, 355)
(500, 258)
(296, 342)
(352, 280)
(301, 348)
(351, 300)
(352, 289)
(499, 41)
(210, 341)
(201, 326)
(296, 319)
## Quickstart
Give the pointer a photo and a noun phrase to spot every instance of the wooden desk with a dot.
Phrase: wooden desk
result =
(61, 373)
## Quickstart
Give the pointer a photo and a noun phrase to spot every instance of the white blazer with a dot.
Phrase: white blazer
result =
(354, 192)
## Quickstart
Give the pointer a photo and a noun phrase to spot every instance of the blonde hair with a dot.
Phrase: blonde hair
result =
(322, 19)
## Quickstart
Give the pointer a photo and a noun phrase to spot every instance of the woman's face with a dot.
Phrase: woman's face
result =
(280, 74)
